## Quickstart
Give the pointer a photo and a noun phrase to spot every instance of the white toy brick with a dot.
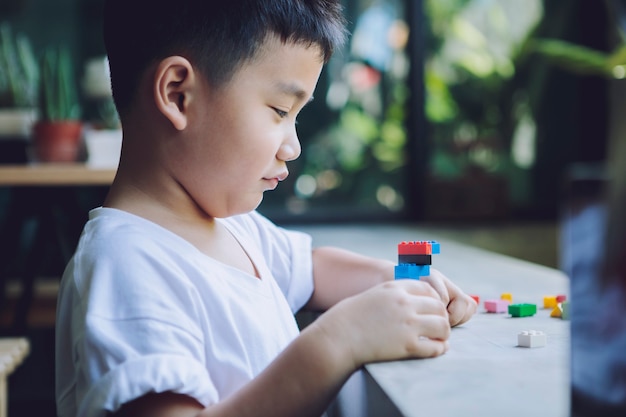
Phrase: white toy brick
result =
(531, 339)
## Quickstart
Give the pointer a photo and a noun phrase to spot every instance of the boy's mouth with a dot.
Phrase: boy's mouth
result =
(274, 180)
(281, 176)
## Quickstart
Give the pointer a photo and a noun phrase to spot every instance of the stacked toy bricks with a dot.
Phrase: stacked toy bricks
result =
(415, 258)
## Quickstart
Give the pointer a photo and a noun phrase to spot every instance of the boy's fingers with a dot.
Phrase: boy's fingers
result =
(461, 310)
(436, 281)
(433, 327)
(429, 348)
(456, 311)
(430, 306)
(417, 287)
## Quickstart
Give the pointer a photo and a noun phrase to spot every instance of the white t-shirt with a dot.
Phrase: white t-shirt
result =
(142, 310)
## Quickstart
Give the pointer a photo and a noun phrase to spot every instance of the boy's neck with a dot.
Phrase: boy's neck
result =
(193, 225)
(153, 195)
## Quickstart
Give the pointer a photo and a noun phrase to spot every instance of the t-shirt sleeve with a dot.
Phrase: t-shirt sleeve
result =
(134, 340)
(288, 254)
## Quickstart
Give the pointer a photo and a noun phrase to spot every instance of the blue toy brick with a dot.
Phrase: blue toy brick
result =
(436, 246)
(404, 271)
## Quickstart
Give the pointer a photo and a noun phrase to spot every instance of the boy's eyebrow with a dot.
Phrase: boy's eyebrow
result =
(294, 90)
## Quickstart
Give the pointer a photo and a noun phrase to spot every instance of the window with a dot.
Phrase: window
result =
(354, 139)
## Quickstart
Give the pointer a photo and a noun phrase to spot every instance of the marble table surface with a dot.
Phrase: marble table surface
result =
(484, 373)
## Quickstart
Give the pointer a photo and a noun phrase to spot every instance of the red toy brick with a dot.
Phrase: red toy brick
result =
(415, 248)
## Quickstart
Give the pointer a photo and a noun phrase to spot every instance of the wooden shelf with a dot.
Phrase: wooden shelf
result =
(52, 174)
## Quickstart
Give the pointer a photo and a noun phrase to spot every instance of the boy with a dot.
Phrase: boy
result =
(179, 300)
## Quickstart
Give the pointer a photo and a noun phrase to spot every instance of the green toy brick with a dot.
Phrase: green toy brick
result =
(565, 312)
(522, 310)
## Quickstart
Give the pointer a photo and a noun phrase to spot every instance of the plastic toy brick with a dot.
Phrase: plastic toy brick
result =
(476, 298)
(404, 271)
(507, 296)
(561, 298)
(415, 248)
(496, 306)
(522, 310)
(531, 339)
(549, 301)
(565, 310)
(415, 259)
(557, 311)
(436, 247)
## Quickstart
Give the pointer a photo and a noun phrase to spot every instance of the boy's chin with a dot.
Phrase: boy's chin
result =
(247, 208)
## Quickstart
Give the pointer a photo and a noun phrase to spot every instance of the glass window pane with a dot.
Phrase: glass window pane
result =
(482, 130)
(353, 134)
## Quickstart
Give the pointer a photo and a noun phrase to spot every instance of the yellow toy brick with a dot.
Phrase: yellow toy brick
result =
(550, 301)
(507, 296)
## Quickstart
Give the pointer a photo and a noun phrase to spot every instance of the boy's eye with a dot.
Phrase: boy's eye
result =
(281, 113)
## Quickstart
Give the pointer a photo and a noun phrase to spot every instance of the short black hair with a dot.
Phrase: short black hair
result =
(216, 36)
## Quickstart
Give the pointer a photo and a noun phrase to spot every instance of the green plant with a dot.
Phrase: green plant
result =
(19, 74)
(58, 98)
(582, 60)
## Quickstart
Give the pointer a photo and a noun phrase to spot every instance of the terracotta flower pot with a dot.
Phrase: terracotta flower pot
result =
(57, 141)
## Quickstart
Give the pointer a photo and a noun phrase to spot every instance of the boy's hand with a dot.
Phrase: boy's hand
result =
(394, 320)
(461, 307)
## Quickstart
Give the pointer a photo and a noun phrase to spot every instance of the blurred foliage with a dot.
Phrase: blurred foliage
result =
(583, 60)
(360, 155)
(357, 156)
(19, 73)
(580, 59)
(58, 96)
(474, 48)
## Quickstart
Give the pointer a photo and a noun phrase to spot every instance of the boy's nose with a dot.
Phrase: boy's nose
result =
(290, 148)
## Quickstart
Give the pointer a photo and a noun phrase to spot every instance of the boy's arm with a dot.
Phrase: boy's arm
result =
(302, 381)
(338, 273)
(396, 320)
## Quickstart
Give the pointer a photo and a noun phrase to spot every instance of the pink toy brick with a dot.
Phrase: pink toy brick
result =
(561, 298)
(497, 306)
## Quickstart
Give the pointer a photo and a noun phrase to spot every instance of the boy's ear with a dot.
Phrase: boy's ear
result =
(173, 84)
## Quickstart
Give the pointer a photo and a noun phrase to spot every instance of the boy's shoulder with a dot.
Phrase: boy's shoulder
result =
(121, 239)
(115, 232)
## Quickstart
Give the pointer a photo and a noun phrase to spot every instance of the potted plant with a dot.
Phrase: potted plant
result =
(102, 133)
(19, 77)
(57, 133)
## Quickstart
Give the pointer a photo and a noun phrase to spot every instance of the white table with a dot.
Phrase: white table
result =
(484, 373)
